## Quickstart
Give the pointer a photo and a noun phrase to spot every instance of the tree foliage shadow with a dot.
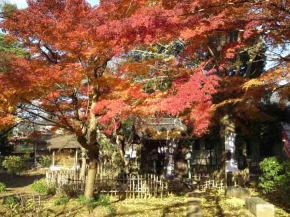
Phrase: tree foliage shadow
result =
(16, 181)
(166, 210)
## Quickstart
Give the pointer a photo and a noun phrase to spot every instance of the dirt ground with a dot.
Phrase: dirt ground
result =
(207, 203)
(210, 205)
(20, 184)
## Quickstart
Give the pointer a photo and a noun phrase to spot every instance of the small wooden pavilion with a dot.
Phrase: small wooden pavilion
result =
(27, 145)
(160, 139)
(161, 129)
(65, 152)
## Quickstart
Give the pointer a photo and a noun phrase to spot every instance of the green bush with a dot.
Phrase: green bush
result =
(26, 157)
(14, 164)
(10, 201)
(61, 201)
(45, 161)
(69, 190)
(82, 199)
(2, 187)
(41, 186)
(99, 200)
(275, 176)
(27, 160)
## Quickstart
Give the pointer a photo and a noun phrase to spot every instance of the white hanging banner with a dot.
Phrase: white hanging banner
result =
(286, 137)
(170, 158)
(230, 142)
(231, 164)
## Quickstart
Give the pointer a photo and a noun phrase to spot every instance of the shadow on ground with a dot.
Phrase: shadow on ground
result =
(165, 210)
(16, 181)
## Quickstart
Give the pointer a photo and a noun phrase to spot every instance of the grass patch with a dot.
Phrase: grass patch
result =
(10, 201)
(99, 200)
(61, 201)
(42, 187)
(2, 187)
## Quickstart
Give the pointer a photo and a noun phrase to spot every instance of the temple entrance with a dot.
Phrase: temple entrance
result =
(158, 157)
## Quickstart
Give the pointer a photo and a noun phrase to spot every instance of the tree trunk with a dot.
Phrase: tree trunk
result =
(90, 182)
(121, 143)
(93, 151)
(91, 141)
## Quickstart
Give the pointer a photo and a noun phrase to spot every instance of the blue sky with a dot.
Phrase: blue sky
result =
(22, 3)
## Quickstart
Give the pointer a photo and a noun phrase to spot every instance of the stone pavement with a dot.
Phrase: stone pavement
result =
(194, 206)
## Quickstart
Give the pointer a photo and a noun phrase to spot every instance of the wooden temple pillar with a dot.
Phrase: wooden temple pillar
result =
(53, 158)
(76, 159)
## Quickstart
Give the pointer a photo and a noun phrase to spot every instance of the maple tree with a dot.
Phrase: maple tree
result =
(6, 127)
(68, 83)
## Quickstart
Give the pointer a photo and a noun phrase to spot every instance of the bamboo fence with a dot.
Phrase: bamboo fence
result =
(129, 186)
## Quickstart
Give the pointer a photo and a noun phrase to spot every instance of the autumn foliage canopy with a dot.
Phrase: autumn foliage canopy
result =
(81, 65)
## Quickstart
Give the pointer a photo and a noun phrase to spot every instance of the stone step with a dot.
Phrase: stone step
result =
(259, 207)
(237, 192)
(194, 209)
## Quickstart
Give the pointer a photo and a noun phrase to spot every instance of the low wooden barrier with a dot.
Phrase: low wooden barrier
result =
(26, 200)
(129, 186)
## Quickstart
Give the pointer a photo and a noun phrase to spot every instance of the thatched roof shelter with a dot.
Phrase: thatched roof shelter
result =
(22, 145)
(63, 142)
(161, 129)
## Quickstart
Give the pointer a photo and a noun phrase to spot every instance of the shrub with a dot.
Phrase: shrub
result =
(275, 177)
(10, 201)
(2, 187)
(69, 191)
(27, 161)
(61, 201)
(27, 158)
(82, 199)
(14, 164)
(99, 200)
(45, 161)
(41, 186)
